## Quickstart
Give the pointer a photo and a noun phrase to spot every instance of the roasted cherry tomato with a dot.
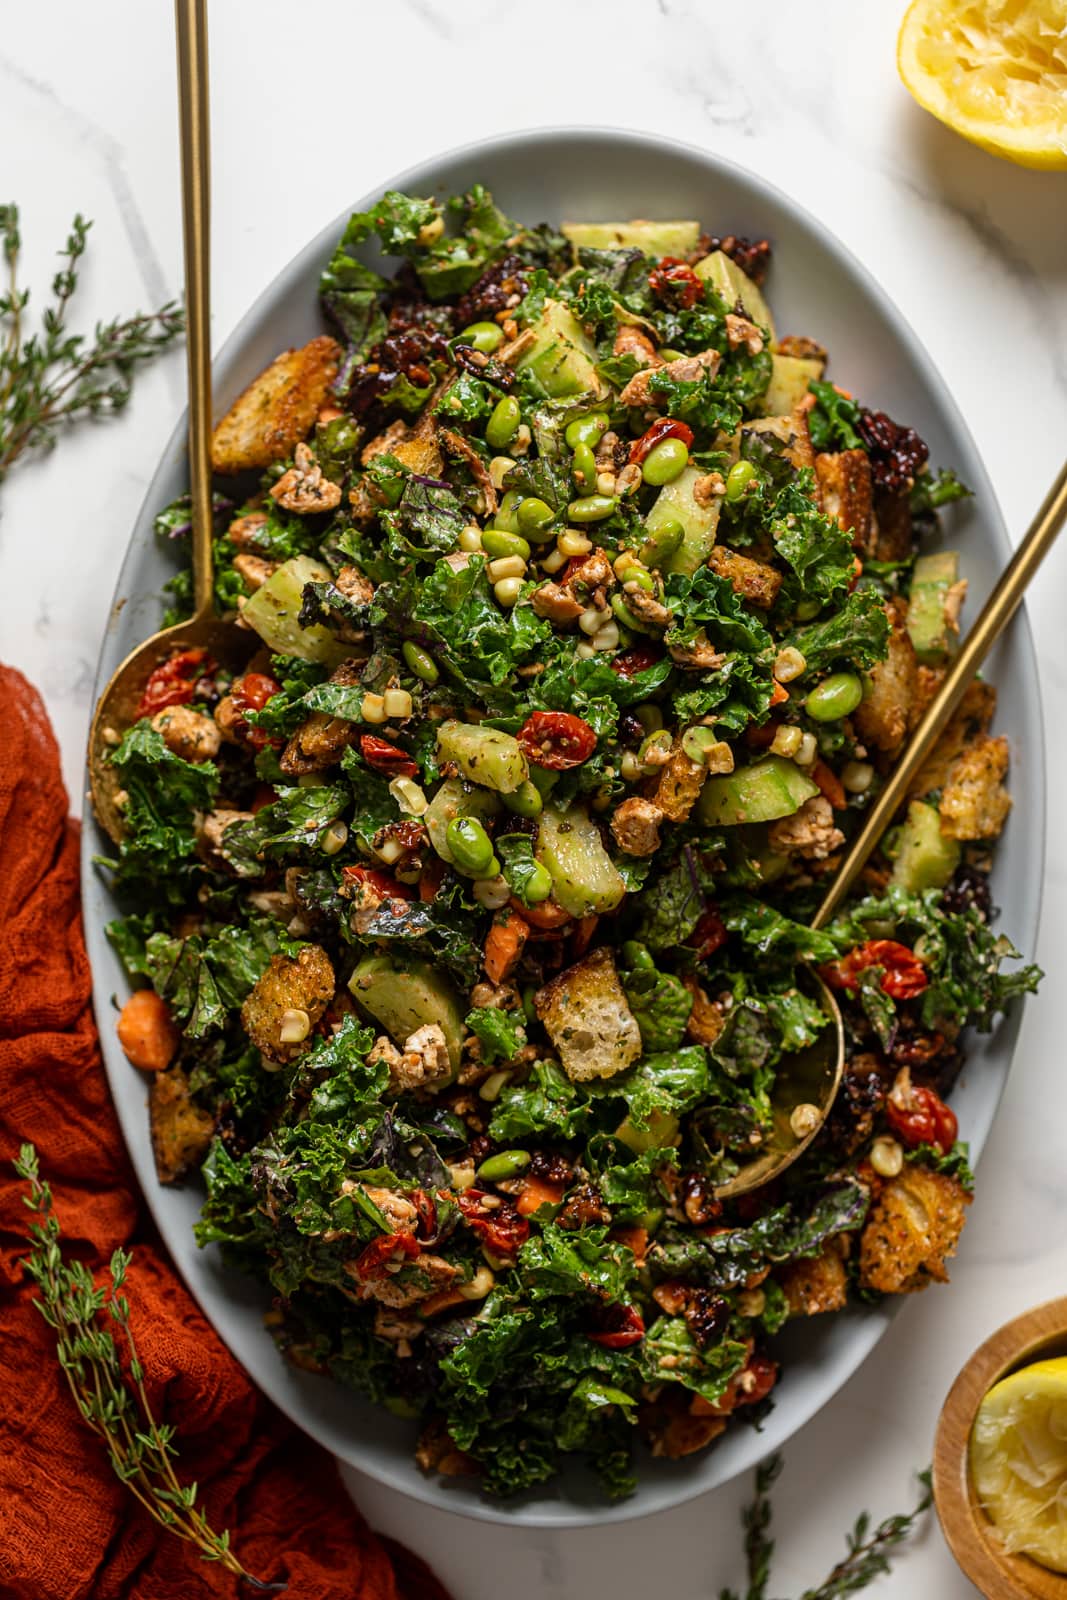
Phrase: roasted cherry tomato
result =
(501, 1228)
(385, 757)
(637, 659)
(556, 739)
(830, 785)
(251, 693)
(904, 975)
(709, 934)
(426, 1207)
(173, 683)
(919, 1116)
(674, 279)
(622, 1327)
(374, 1260)
(381, 881)
(665, 428)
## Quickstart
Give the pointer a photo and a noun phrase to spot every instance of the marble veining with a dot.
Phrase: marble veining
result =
(975, 254)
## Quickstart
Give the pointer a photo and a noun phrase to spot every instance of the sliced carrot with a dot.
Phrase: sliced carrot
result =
(778, 694)
(147, 1031)
(504, 945)
(830, 785)
(583, 934)
(535, 1193)
(635, 1238)
(547, 915)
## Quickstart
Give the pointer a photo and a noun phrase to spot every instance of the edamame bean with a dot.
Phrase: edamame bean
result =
(586, 430)
(807, 609)
(594, 508)
(507, 512)
(667, 354)
(420, 661)
(835, 697)
(525, 801)
(638, 575)
(624, 615)
(483, 336)
(503, 425)
(636, 954)
(498, 544)
(471, 847)
(538, 885)
(661, 543)
(657, 746)
(665, 462)
(584, 469)
(696, 742)
(508, 1164)
(738, 479)
(649, 716)
(535, 518)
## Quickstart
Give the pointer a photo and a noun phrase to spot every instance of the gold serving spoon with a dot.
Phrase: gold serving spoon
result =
(227, 645)
(807, 1082)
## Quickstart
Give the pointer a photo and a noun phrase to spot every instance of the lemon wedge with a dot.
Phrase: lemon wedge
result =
(1019, 1461)
(993, 70)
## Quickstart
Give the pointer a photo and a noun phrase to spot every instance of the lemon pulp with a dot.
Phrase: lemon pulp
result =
(994, 70)
(1018, 1456)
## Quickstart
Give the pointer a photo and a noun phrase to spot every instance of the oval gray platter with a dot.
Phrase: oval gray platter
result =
(816, 288)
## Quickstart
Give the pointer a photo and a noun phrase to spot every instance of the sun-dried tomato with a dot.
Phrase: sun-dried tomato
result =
(665, 428)
(385, 757)
(500, 1228)
(373, 1262)
(409, 354)
(896, 453)
(903, 978)
(637, 659)
(709, 934)
(556, 740)
(753, 256)
(675, 281)
(426, 1210)
(382, 882)
(174, 682)
(919, 1116)
(251, 693)
(619, 1327)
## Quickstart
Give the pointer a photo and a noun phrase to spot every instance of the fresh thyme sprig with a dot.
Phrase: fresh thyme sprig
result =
(54, 377)
(113, 1402)
(867, 1554)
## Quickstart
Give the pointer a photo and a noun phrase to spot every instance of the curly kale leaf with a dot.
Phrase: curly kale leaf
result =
(204, 980)
(291, 825)
(661, 1004)
(501, 1032)
(163, 795)
(426, 522)
(857, 634)
(670, 1354)
(566, 1262)
(546, 1103)
(832, 420)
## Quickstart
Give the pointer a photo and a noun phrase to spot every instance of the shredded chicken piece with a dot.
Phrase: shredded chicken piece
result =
(739, 331)
(809, 832)
(638, 392)
(635, 826)
(303, 488)
(188, 733)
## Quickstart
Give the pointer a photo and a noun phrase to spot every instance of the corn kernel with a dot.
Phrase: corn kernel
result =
(398, 703)
(803, 1120)
(492, 1086)
(857, 776)
(592, 620)
(470, 538)
(605, 483)
(607, 637)
(498, 469)
(507, 591)
(584, 651)
(335, 838)
(479, 1286)
(806, 750)
(372, 708)
(507, 567)
(492, 893)
(554, 561)
(390, 851)
(462, 1175)
(788, 664)
(572, 543)
(409, 796)
(786, 741)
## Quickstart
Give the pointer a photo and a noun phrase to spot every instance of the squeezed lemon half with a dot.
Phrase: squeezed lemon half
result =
(994, 70)
(1019, 1461)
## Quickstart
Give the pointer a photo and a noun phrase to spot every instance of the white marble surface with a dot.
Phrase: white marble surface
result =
(973, 251)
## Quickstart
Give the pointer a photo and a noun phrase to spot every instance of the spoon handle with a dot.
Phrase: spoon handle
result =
(191, 20)
(990, 623)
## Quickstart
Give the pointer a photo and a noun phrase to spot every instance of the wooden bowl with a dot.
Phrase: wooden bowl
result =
(971, 1536)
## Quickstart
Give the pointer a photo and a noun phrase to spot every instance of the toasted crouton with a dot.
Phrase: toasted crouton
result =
(884, 717)
(844, 479)
(680, 783)
(706, 1020)
(672, 1429)
(812, 1287)
(974, 801)
(973, 716)
(277, 410)
(752, 580)
(304, 984)
(587, 1018)
(181, 1130)
(913, 1228)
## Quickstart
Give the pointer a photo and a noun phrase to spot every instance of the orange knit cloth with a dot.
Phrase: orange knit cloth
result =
(68, 1529)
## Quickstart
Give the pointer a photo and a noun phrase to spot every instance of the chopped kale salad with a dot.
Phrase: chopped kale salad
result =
(465, 924)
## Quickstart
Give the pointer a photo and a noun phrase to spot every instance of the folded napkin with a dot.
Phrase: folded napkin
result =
(68, 1529)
